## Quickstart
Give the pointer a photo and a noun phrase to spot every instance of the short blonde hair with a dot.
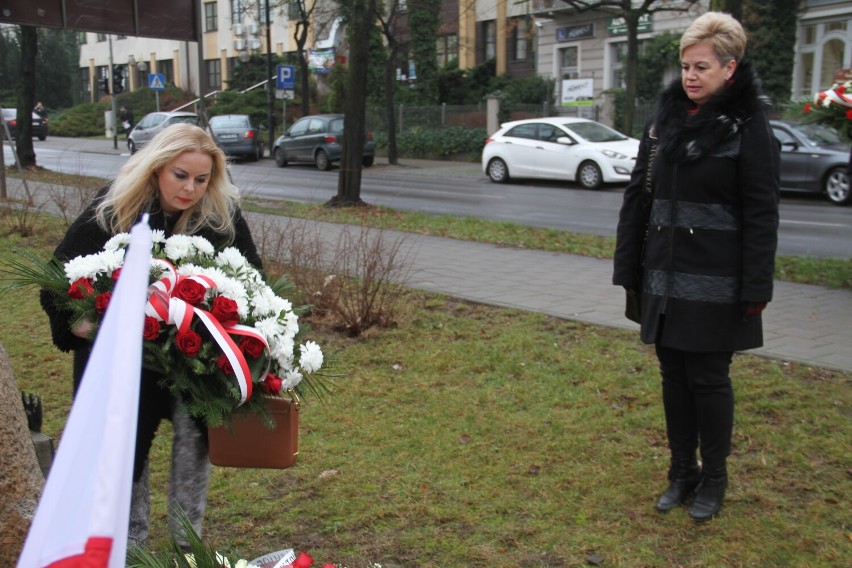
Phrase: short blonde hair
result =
(136, 188)
(721, 30)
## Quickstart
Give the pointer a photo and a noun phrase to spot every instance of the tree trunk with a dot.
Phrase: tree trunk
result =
(21, 480)
(390, 80)
(304, 72)
(632, 20)
(349, 180)
(26, 96)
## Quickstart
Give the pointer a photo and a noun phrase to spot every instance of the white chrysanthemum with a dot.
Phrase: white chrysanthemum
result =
(311, 357)
(291, 380)
(231, 257)
(291, 322)
(178, 247)
(279, 305)
(190, 270)
(203, 246)
(269, 327)
(121, 240)
(158, 236)
(111, 260)
(82, 267)
(260, 307)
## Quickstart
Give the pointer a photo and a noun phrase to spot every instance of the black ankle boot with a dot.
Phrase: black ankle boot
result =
(709, 495)
(684, 476)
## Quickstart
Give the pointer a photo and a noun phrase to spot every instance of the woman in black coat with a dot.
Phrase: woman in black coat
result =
(697, 241)
(180, 178)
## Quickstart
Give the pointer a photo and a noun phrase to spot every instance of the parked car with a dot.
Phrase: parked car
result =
(153, 123)
(237, 136)
(10, 117)
(814, 158)
(318, 139)
(559, 148)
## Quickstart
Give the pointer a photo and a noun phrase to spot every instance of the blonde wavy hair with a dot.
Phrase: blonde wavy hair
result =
(136, 189)
(722, 31)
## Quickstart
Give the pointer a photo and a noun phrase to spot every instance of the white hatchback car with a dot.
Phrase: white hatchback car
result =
(560, 148)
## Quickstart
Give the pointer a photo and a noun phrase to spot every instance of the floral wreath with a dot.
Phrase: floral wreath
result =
(833, 108)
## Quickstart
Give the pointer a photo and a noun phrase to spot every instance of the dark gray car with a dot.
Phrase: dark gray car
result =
(237, 136)
(153, 123)
(814, 158)
(10, 117)
(317, 139)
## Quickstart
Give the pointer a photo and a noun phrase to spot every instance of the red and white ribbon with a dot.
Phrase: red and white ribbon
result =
(174, 311)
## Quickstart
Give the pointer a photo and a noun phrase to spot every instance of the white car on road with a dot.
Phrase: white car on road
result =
(559, 148)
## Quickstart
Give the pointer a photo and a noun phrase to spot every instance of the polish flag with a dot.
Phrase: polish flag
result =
(84, 511)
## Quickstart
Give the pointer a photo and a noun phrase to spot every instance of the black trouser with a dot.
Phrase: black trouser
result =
(699, 403)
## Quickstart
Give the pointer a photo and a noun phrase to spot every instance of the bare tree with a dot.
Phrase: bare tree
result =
(632, 12)
(359, 24)
(26, 97)
(303, 18)
(387, 23)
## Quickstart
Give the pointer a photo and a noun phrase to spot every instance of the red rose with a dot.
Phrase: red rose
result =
(152, 329)
(849, 114)
(224, 364)
(272, 384)
(190, 291)
(102, 301)
(225, 310)
(303, 561)
(80, 288)
(115, 274)
(807, 108)
(251, 347)
(189, 343)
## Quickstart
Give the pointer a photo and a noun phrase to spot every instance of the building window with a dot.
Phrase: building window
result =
(835, 27)
(832, 60)
(211, 16)
(82, 38)
(238, 10)
(214, 74)
(490, 39)
(167, 68)
(101, 37)
(520, 39)
(809, 35)
(568, 62)
(807, 73)
(448, 49)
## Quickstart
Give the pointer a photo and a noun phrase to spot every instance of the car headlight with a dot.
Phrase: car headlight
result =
(613, 154)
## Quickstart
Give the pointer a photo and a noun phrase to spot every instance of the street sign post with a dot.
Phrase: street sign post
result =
(157, 83)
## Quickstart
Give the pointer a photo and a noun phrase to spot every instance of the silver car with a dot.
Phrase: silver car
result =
(153, 123)
(237, 136)
(814, 158)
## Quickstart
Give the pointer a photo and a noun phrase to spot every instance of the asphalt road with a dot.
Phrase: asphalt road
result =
(810, 226)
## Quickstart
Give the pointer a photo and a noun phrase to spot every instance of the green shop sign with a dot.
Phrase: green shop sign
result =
(617, 26)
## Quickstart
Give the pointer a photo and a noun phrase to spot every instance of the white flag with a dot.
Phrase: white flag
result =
(84, 511)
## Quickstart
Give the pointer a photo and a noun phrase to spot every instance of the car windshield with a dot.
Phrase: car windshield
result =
(228, 123)
(819, 134)
(593, 132)
(189, 119)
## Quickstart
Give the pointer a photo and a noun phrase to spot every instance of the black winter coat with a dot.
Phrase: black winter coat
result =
(84, 237)
(711, 218)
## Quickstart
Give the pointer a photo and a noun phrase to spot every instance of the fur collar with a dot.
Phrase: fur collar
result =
(685, 138)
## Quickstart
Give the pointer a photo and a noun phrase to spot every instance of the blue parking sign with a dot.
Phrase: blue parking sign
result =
(285, 77)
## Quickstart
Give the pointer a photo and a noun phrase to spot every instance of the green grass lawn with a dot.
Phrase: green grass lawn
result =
(474, 436)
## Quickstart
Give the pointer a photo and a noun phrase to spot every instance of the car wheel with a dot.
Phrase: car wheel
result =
(589, 175)
(280, 158)
(498, 171)
(368, 161)
(321, 160)
(836, 187)
(42, 137)
(131, 145)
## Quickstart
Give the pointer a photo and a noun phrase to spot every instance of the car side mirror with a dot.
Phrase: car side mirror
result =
(789, 145)
(565, 140)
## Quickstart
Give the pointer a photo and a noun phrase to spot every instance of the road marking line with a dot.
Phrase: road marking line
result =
(814, 223)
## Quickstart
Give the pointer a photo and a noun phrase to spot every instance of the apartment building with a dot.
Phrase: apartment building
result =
(533, 37)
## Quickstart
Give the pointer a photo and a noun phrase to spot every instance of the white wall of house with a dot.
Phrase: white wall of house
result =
(823, 45)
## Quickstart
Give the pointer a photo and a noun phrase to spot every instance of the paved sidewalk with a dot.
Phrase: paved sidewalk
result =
(808, 324)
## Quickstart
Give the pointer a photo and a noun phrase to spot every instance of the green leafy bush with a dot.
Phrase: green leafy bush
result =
(419, 142)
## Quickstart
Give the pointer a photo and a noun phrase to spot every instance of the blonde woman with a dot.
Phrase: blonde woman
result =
(180, 179)
(705, 269)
